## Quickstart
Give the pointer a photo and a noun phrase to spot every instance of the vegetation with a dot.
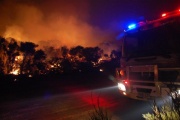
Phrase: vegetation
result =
(99, 112)
(169, 111)
(166, 112)
(25, 58)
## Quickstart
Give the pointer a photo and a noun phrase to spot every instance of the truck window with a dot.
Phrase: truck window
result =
(156, 41)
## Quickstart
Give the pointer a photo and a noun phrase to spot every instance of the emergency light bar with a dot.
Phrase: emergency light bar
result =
(144, 25)
(132, 26)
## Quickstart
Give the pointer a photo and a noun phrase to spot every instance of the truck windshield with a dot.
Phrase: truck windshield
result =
(162, 40)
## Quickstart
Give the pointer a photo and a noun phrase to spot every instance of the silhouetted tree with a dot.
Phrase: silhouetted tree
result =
(28, 50)
(64, 52)
(106, 55)
(76, 56)
(1, 67)
(92, 54)
(115, 60)
(115, 54)
(77, 51)
(66, 66)
(13, 51)
(39, 56)
(52, 53)
(39, 61)
(3, 55)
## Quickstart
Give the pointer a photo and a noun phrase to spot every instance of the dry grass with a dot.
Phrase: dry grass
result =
(99, 113)
(169, 111)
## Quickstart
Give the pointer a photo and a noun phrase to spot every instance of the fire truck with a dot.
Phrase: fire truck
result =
(150, 62)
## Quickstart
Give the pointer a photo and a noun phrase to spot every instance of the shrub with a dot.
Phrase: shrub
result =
(99, 113)
(169, 111)
(166, 112)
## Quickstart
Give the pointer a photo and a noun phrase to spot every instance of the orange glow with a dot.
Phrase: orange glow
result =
(16, 65)
(15, 72)
(121, 72)
(53, 23)
(19, 58)
(52, 66)
(124, 93)
(58, 30)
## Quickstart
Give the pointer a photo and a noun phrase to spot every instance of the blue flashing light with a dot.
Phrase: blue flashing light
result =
(132, 26)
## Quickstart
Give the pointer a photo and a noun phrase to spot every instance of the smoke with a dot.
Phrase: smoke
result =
(50, 23)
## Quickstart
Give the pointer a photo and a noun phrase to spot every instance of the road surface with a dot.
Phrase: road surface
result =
(74, 102)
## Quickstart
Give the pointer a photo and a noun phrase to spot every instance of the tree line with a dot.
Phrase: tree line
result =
(26, 58)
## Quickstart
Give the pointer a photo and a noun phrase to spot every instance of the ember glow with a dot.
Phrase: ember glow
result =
(15, 72)
(16, 65)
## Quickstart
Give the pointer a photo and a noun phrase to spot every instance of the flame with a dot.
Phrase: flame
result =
(15, 72)
(16, 65)
(52, 66)
(19, 58)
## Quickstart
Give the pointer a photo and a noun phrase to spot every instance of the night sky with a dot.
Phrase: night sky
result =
(76, 22)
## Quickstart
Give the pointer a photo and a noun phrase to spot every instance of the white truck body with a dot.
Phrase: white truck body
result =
(150, 63)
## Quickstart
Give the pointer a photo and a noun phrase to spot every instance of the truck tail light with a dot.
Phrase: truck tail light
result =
(126, 82)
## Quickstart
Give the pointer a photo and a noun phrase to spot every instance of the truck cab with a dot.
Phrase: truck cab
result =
(150, 62)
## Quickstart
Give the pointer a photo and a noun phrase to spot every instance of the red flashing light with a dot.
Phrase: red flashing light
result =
(164, 15)
(179, 10)
(126, 82)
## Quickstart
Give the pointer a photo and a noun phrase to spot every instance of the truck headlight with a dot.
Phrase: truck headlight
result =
(178, 92)
(175, 94)
(121, 86)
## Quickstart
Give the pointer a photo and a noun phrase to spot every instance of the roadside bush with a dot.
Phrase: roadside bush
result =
(169, 111)
(166, 112)
(99, 113)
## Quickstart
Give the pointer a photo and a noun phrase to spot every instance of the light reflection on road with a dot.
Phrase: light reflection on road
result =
(75, 104)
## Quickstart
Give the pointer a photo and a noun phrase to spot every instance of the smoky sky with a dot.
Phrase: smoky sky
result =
(75, 22)
(50, 22)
